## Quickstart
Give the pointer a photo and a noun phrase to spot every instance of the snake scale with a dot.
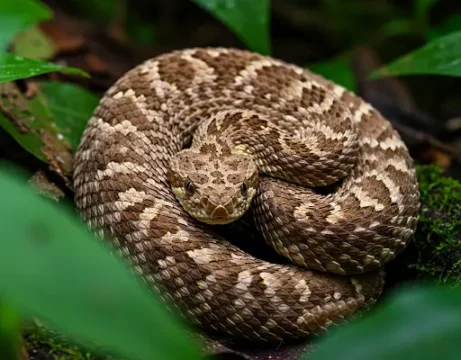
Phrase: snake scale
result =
(194, 136)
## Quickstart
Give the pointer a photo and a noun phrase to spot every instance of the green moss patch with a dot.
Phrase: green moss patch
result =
(438, 237)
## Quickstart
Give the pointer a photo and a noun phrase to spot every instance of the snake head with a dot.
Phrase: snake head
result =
(215, 189)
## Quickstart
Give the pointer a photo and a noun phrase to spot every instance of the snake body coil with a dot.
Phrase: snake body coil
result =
(303, 133)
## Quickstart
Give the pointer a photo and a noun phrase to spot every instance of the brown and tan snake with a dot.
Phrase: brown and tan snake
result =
(331, 183)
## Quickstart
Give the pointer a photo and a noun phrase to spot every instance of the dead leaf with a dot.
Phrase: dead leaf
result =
(95, 63)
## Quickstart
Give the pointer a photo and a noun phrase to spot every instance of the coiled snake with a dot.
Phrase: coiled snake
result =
(336, 191)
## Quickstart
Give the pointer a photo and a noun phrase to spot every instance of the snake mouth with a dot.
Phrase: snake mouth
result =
(219, 218)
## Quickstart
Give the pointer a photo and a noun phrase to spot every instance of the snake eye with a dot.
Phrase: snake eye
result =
(244, 189)
(189, 186)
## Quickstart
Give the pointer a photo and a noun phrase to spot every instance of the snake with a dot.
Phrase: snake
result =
(187, 142)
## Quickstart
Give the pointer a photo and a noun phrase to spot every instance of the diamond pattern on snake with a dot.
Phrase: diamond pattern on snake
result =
(263, 134)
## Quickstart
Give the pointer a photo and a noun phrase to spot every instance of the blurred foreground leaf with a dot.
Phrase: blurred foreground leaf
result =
(439, 57)
(52, 268)
(72, 107)
(248, 19)
(13, 67)
(18, 15)
(421, 323)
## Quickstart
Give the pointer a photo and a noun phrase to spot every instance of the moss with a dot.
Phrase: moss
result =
(438, 237)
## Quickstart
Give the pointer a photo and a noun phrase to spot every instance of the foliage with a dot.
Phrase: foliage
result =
(14, 67)
(16, 16)
(31, 118)
(71, 106)
(441, 56)
(54, 269)
(438, 240)
(19, 15)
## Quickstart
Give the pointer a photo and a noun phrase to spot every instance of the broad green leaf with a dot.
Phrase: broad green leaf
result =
(18, 15)
(72, 107)
(30, 122)
(439, 57)
(14, 67)
(52, 268)
(338, 70)
(34, 44)
(421, 323)
(248, 19)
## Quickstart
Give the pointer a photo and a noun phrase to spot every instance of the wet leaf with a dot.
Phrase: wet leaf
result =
(248, 19)
(439, 57)
(18, 15)
(52, 268)
(421, 323)
(72, 107)
(13, 67)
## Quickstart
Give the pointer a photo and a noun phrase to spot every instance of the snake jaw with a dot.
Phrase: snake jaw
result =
(204, 210)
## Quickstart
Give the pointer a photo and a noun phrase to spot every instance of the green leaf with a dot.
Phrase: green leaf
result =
(14, 67)
(422, 323)
(248, 19)
(72, 107)
(337, 69)
(439, 57)
(52, 268)
(33, 43)
(30, 122)
(18, 15)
